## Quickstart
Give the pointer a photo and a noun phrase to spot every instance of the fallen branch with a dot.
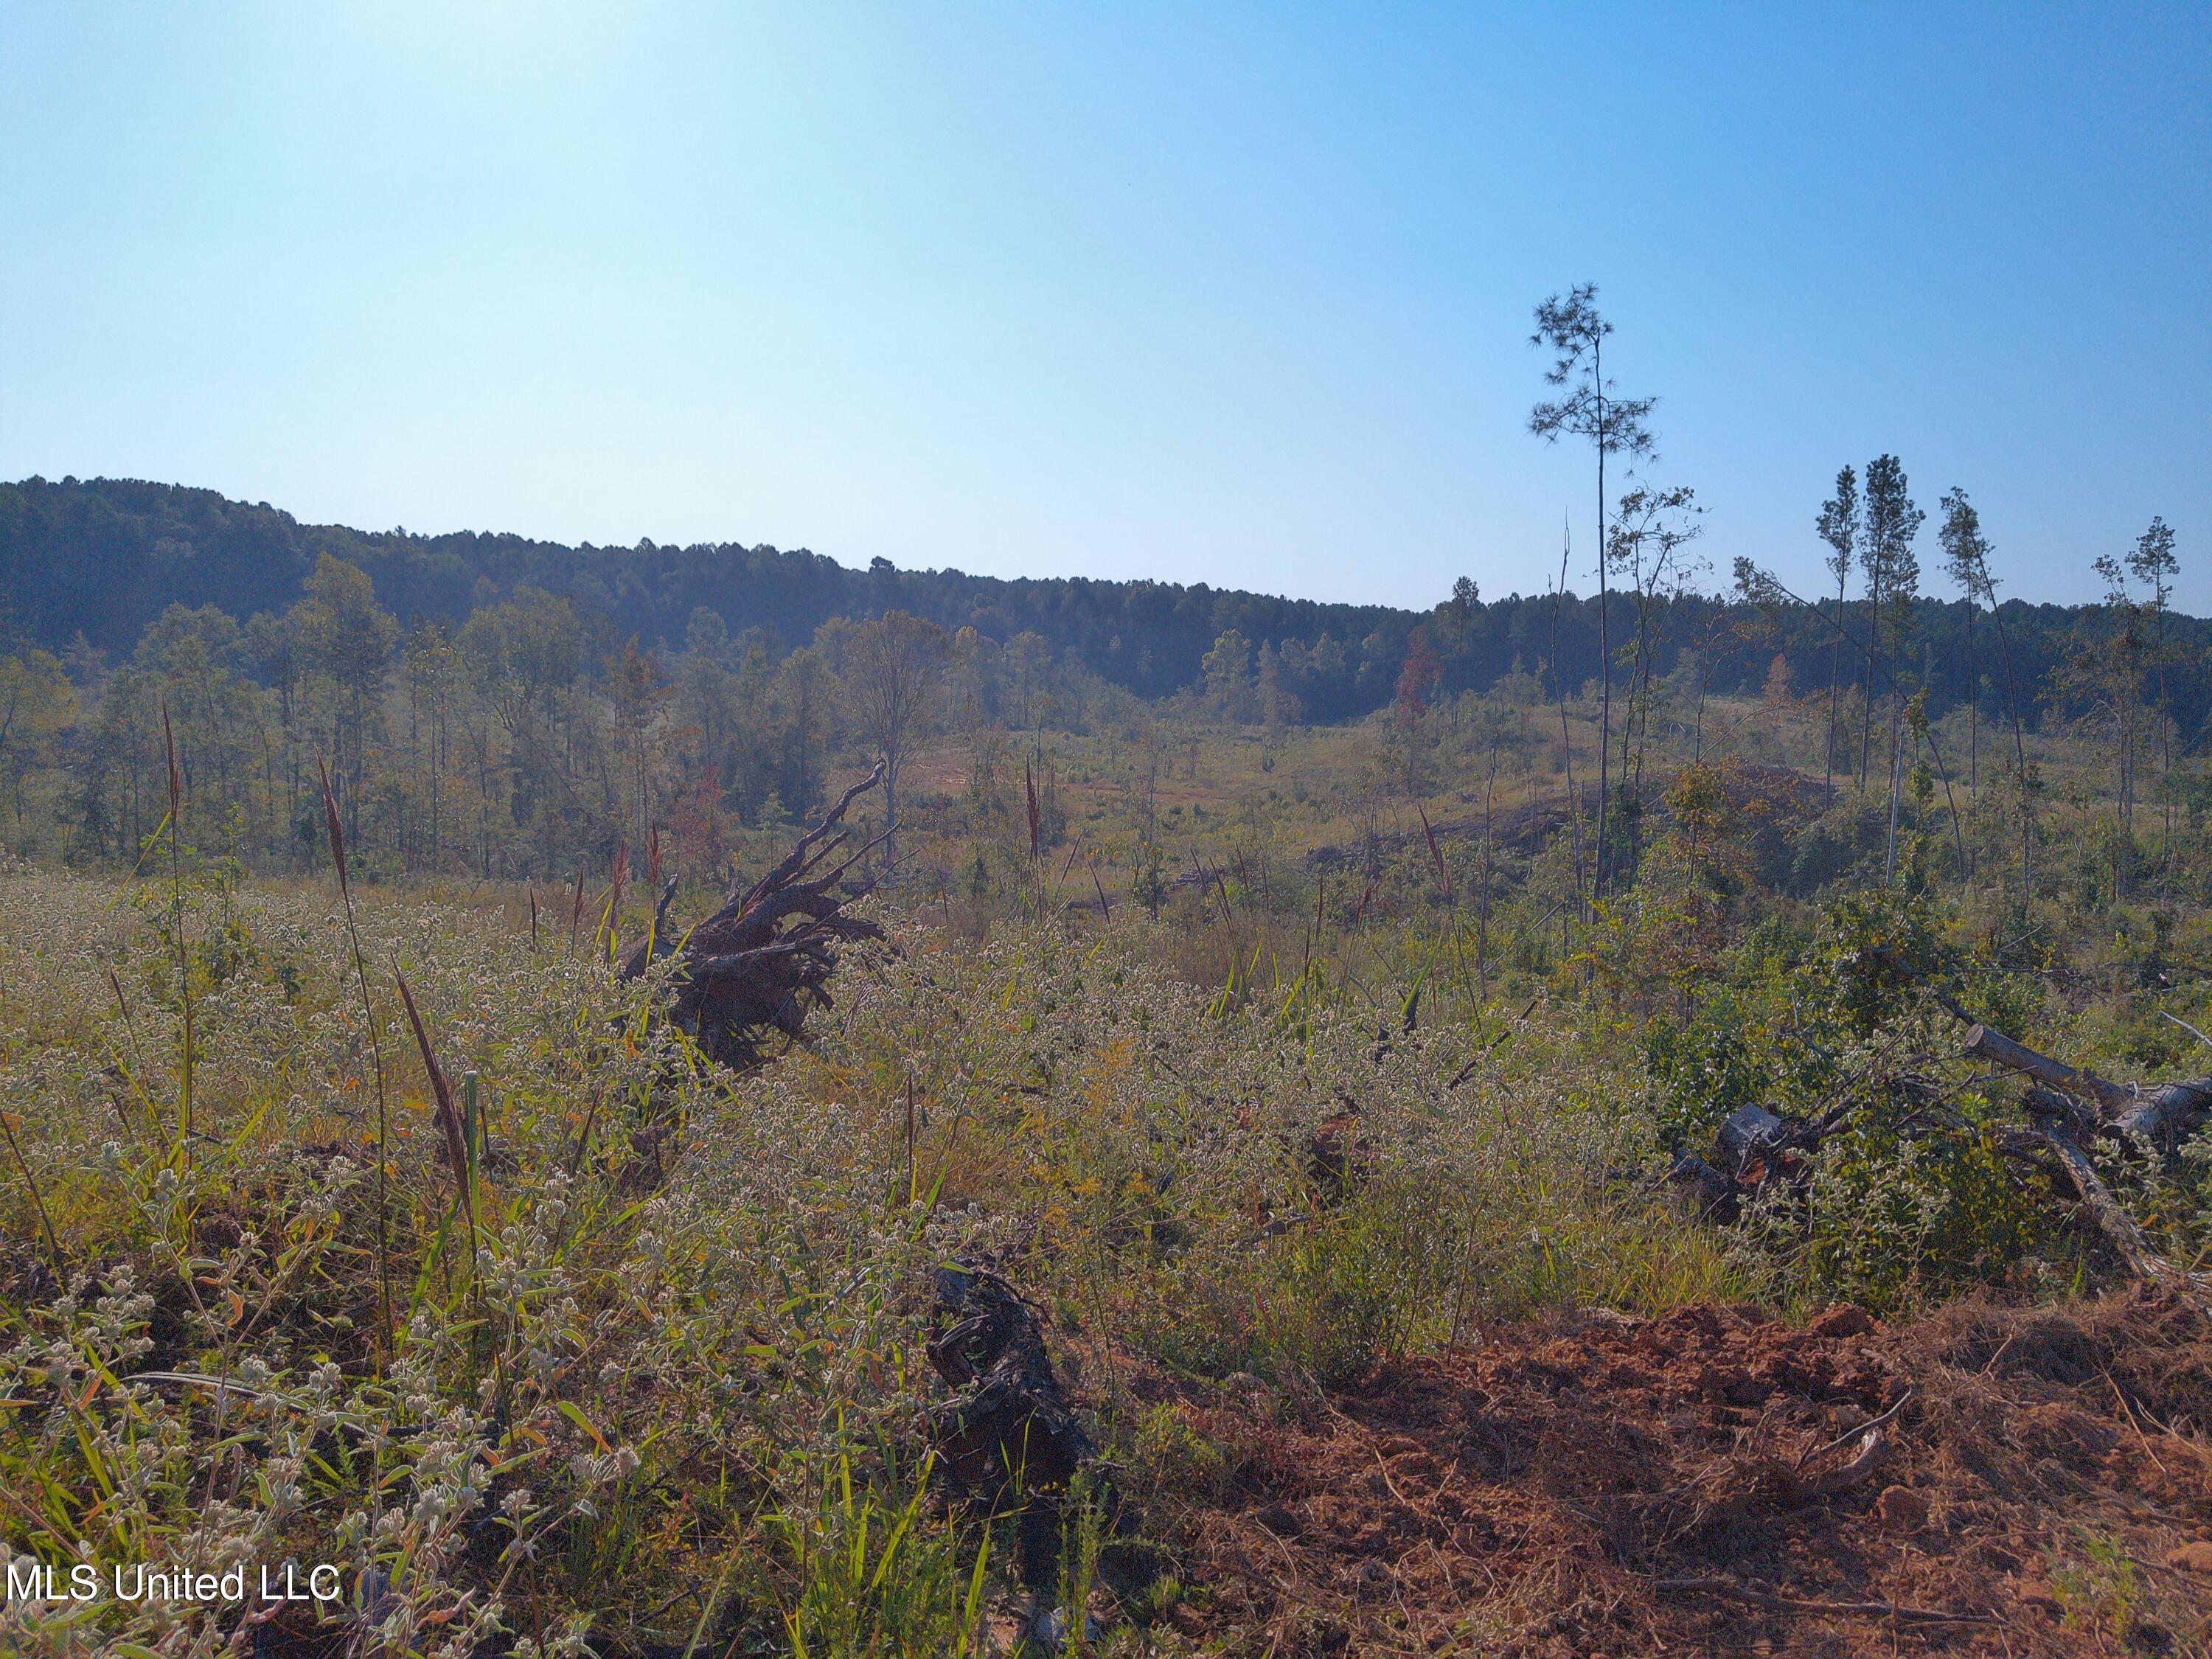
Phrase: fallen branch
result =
(1860, 1432)
(1990, 1044)
(2136, 1249)
(2167, 1114)
(1730, 1588)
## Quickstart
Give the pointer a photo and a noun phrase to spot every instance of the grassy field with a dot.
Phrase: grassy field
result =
(613, 1351)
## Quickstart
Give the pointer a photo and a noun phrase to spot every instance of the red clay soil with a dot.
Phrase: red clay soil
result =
(1600, 1484)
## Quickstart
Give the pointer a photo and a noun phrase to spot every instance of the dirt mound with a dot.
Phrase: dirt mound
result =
(1989, 1480)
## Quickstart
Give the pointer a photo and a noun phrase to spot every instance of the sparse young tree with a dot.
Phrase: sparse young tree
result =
(1967, 551)
(891, 666)
(1892, 585)
(2153, 562)
(1838, 525)
(1566, 731)
(1229, 677)
(1651, 529)
(2105, 673)
(1573, 331)
(2115, 669)
(1963, 552)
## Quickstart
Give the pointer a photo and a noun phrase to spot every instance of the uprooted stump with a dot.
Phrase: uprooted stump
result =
(753, 971)
(1007, 1442)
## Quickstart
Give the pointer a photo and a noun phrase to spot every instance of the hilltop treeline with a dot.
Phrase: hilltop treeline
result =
(100, 559)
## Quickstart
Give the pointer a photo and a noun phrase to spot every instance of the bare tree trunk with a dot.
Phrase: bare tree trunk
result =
(1958, 830)
(2019, 752)
(1987, 1042)
(1482, 913)
(890, 812)
(1566, 733)
(1835, 674)
(1896, 760)
(1896, 790)
(1866, 714)
(1604, 633)
(1973, 704)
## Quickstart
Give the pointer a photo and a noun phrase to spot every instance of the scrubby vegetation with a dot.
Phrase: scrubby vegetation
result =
(1315, 1083)
(656, 1341)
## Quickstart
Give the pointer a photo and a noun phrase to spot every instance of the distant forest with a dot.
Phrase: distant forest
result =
(89, 565)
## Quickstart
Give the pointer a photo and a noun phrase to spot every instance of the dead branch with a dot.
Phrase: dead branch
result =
(2165, 1113)
(2143, 1261)
(1990, 1044)
(1860, 1433)
(1873, 1452)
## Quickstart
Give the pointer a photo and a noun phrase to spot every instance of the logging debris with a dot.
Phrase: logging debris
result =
(1594, 1483)
(1007, 1441)
(2067, 1109)
(750, 973)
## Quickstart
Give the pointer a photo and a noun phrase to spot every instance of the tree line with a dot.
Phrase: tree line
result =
(515, 726)
(91, 564)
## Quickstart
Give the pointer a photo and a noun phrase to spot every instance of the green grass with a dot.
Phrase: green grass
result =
(654, 1360)
(691, 1294)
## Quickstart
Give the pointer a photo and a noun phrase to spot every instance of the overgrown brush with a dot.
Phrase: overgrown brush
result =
(673, 1390)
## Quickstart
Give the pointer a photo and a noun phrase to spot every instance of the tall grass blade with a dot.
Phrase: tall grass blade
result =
(448, 1112)
(184, 957)
(38, 1199)
(336, 831)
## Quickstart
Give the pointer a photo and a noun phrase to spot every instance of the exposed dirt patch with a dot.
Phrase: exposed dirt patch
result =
(1600, 1485)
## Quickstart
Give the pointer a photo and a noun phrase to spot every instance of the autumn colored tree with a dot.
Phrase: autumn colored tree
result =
(1417, 685)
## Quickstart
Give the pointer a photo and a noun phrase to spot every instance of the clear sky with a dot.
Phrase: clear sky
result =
(1237, 294)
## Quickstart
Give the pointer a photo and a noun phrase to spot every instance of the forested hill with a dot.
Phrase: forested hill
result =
(103, 558)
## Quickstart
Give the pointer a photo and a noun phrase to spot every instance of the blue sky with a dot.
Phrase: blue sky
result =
(1237, 294)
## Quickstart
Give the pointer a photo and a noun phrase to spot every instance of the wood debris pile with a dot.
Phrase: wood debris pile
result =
(2066, 1112)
